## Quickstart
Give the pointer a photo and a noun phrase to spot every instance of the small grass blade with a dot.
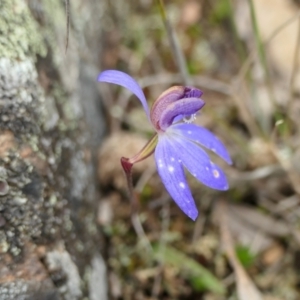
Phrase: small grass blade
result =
(196, 273)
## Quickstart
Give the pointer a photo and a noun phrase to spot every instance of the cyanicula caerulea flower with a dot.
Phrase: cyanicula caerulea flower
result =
(177, 145)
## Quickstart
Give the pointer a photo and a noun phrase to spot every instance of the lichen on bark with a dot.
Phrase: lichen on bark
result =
(19, 34)
(47, 203)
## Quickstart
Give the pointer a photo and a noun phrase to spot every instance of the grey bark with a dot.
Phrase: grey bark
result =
(50, 126)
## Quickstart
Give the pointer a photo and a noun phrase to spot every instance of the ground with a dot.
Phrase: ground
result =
(244, 244)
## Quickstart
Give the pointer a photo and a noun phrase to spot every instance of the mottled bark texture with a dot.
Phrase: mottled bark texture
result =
(49, 127)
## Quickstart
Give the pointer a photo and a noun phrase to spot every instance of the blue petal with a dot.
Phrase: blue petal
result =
(173, 177)
(123, 79)
(198, 163)
(204, 137)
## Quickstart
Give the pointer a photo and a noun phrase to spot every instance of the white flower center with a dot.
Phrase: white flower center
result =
(189, 119)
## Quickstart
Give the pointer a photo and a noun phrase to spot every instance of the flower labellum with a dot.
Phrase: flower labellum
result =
(176, 144)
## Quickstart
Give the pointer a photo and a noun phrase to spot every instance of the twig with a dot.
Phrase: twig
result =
(244, 111)
(258, 173)
(67, 3)
(288, 203)
(245, 287)
(160, 201)
(207, 82)
(282, 26)
(246, 65)
(250, 59)
(287, 167)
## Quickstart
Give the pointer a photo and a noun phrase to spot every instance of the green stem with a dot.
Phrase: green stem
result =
(127, 164)
(295, 68)
(263, 61)
(176, 49)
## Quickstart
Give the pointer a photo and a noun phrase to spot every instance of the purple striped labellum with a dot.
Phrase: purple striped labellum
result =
(176, 145)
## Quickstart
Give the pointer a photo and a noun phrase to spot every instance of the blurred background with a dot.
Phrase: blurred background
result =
(244, 55)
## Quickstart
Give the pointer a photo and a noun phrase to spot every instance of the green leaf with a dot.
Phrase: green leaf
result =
(221, 11)
(245, 256)
(199, 276)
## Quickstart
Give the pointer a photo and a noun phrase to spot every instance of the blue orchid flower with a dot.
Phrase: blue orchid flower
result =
(177, 145)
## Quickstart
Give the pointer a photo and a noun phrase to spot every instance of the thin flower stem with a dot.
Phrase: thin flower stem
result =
(136, 222)
(176, 49)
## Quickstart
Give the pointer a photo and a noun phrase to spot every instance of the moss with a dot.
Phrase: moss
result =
(19, 34)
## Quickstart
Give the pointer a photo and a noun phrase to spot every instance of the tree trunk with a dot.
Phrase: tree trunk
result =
(49, 239)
